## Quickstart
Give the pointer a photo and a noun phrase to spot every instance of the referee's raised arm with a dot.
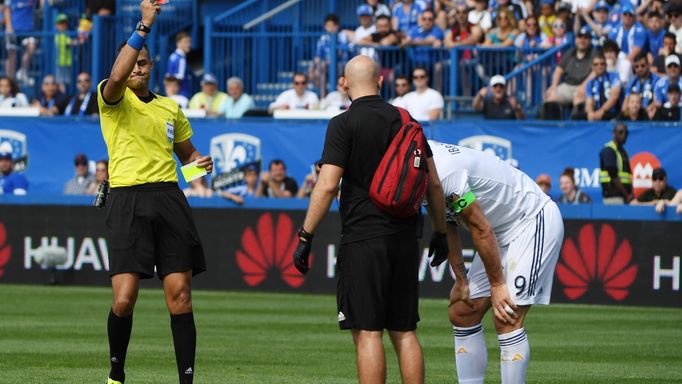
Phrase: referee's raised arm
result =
(127, 58)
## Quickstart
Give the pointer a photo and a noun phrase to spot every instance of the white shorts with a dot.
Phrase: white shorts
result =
(528, 262)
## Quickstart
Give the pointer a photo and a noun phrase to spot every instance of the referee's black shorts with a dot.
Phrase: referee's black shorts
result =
(150, 225)
(377, 286)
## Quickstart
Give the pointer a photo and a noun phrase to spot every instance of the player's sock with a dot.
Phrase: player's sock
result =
(185, 342)
(514, 356)
(471, 355)
(119, 335)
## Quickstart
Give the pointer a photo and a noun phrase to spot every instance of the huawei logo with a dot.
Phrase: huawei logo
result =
(596, 264)
(268, 251)
(5, 250)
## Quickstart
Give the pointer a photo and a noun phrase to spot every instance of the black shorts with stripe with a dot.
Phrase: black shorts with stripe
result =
(151, 226)
(377, 287)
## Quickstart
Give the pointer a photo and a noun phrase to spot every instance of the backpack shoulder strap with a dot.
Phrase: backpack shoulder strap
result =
(404, 116)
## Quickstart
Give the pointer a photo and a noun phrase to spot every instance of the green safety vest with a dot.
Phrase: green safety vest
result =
(624, 177)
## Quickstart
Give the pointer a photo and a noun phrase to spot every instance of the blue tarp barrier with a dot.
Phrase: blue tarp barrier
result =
(45, 147)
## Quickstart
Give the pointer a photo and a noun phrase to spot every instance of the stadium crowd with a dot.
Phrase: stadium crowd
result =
(622, 63)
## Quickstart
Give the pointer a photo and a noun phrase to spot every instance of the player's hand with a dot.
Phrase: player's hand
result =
(439, 246)
(149, 9)
(503, 305)
(301, 255)
(205, 162)
(460, 292)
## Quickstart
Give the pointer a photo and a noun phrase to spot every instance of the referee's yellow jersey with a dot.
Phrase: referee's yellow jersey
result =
(140, 137)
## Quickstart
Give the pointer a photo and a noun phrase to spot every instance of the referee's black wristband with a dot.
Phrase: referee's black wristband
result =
(305, 235)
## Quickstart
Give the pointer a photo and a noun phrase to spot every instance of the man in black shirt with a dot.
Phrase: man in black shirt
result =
(574, 69)
(670, 110)
(276, 183)
(497, 104)
(83, 103)
(379, 254)
(659, 191)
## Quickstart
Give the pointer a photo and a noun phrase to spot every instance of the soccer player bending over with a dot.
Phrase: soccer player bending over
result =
(517, 230)
(149, 223)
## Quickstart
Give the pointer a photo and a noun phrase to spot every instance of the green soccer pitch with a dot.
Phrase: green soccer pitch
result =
(58, 335)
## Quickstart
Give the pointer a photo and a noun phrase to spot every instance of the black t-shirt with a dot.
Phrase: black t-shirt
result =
(667, 113)
(498, 111)
(576, 70)
(650, 195)
(73, 106)
(288, 184)
(609, 162)
(356, 141)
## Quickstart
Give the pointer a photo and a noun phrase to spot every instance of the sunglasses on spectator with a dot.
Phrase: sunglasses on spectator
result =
(81, 164)
(300, 82)
(658, 178)
(419, 77)
(599, 63)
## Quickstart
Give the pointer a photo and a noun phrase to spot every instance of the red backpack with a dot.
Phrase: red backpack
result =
(399, 183)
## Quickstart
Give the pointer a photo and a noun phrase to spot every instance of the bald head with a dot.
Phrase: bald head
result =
(362, 77)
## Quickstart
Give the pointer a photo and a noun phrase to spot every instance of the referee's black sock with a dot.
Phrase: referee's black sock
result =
(119, 335)
(185, 342)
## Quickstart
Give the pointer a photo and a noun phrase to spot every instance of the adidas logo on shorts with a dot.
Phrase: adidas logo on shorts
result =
(189, 371)
(342, 317)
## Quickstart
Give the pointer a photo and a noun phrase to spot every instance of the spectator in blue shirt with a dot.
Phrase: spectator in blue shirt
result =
(177, 63)
(629, 34)
(602, 92)
(10, 183)
(598, 24)
(19, 15)
(406, 16)
(238, 102)
(655, 34)
(642, 84)
(672, 69)
(424, 37)
(323, 53)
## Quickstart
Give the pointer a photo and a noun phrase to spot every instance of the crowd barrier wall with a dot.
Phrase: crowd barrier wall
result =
(44, 148)
(603, 261)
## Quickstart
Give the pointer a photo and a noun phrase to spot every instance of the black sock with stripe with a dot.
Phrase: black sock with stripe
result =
(118, 329)
(185, 342)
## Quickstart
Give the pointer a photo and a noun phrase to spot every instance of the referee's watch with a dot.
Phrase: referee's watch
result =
(142, 27)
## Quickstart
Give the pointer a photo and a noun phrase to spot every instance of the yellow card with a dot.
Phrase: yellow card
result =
(192, 172)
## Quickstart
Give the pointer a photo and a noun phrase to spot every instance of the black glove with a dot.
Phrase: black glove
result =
(439, 246)
(305, 242)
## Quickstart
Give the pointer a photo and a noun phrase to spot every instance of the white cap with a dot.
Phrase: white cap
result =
(499, 79)
(672, 59)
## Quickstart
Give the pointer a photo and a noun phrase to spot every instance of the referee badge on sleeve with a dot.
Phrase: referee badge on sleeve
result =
(170, 131)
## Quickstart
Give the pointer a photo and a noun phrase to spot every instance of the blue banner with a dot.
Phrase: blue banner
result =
(44, 148)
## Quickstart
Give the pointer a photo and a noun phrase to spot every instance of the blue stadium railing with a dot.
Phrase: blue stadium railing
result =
(458, 73)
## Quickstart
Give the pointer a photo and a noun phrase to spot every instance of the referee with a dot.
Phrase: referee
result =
(149, 222)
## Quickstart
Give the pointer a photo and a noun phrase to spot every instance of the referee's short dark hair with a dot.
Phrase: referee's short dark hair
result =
(123, 44)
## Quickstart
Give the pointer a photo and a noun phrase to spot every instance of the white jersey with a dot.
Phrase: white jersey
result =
(506, 195)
